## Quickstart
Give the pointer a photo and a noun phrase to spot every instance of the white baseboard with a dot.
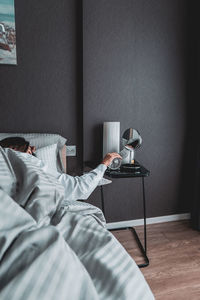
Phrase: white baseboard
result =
(155, 220)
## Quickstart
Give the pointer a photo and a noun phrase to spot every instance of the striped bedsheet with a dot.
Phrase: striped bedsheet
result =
(53, 248)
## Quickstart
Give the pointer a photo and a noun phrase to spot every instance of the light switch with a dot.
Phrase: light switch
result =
(71, 150)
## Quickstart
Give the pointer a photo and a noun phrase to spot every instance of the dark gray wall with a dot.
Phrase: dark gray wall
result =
(135, 72)
(41, 93)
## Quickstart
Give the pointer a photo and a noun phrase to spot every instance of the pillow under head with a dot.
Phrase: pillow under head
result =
(48, 155)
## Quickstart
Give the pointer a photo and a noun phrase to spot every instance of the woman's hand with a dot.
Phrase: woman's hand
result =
(109, 158)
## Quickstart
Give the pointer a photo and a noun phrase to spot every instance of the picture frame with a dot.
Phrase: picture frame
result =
(7, 33)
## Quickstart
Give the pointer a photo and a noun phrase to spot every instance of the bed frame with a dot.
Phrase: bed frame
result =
(63, 157)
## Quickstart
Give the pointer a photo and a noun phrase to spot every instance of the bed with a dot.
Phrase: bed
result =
(52, 247)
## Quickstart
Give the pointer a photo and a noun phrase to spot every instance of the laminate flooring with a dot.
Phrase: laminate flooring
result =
(174, 253)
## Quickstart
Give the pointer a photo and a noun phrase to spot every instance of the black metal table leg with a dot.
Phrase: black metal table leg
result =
(143, 249)
(144, 211)
(102, 200)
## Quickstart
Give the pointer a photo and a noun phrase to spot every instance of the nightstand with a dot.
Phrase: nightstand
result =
(138, 171)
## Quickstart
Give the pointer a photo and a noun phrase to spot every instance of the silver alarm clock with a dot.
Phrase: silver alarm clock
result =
(115, 164)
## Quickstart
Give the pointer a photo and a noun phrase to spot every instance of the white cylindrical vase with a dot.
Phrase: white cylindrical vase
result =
(111, 137)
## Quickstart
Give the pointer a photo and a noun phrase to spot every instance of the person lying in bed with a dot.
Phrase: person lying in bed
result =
(48, 241)
(78, 187)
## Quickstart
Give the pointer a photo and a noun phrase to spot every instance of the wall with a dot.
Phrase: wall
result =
(135, 72)
(42, 93)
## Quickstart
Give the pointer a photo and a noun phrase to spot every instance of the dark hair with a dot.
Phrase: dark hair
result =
(16, 142)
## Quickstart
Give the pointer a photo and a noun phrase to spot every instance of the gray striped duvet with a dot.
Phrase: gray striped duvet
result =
(52, 247)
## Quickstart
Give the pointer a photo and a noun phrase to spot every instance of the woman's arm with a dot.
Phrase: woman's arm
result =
(80, 187)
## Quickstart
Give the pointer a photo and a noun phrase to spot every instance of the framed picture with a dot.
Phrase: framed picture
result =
(7, 33)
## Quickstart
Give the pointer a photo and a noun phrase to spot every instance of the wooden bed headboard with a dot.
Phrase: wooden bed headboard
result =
(63, 157)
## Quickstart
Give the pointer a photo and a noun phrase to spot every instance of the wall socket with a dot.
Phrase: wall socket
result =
(71, 150)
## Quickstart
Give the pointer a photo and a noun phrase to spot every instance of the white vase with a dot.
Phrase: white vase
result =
(111, 137)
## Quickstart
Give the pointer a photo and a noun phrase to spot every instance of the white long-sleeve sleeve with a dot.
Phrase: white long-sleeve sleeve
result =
(80, 187)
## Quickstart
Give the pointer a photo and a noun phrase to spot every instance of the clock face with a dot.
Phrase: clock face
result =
(116, 163)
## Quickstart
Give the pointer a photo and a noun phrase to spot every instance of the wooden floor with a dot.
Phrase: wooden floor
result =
(174, 254)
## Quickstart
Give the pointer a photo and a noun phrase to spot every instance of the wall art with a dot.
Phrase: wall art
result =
(7, 33)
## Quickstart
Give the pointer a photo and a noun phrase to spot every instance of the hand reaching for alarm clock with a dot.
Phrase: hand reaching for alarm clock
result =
(110, 157)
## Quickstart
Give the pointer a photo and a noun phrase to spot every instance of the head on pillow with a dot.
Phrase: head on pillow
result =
(18, 144)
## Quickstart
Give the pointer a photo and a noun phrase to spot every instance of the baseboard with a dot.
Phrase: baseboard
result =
(155, 220)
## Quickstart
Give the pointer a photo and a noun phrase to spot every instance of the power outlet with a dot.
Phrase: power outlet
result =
(71, 150)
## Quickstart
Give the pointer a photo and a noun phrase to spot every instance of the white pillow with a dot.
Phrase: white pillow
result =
(7, 177)
(48, 155)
